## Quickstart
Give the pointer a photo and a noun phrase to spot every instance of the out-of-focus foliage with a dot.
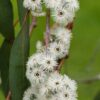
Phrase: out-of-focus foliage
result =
(1, 95)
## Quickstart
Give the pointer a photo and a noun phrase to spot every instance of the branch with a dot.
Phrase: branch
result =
(8, 96)
(25, 17)
(94, 55)
(70, 26)
(60, 65)
(61, 62)
(47, 33)
(33, 25)
(90, 80)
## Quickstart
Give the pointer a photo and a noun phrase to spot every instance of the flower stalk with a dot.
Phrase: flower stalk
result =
(33, 25)
(47, 33)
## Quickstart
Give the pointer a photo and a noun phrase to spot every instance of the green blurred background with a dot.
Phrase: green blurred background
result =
(84, 58)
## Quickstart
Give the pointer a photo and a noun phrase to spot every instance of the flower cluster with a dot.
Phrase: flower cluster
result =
(46, 83)
(55, 87)
(62, 11)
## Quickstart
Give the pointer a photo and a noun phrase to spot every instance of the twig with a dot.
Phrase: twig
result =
(94, 55)
(25, 18)
(90, 80)
(60, 65)
(17, 21)
(47, 33)
(70, 26)
(33, 25)
(61, 62)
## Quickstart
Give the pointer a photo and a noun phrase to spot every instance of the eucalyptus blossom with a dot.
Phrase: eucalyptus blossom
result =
(46, 83)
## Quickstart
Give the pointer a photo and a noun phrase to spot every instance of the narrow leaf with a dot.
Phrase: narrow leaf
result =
(19, 55)
(4, 64)
(6, 19)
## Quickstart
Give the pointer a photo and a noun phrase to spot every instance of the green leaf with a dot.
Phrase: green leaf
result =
(21, 10)
(4, 64)
(6, 19)
(7, 30)
(19, 55)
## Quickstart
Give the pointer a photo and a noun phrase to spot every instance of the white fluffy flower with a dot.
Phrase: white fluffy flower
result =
(71, 84)
(39, 97)
(27, 4)
(35, 4)
(44, 90)
(34, 60)
(30, 94)
(67, 90)
(62, 16)
(38, 14)
(48, 62)
(62, 34)
(32, 4)
(36, 76)
(60, 49)
(55, 82)
(67, 94)
(71, 5)
(39, 46)
(52, 3)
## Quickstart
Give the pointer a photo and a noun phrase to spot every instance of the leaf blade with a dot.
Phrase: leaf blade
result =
(4, 65)
(6, 19)
(19, 55)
